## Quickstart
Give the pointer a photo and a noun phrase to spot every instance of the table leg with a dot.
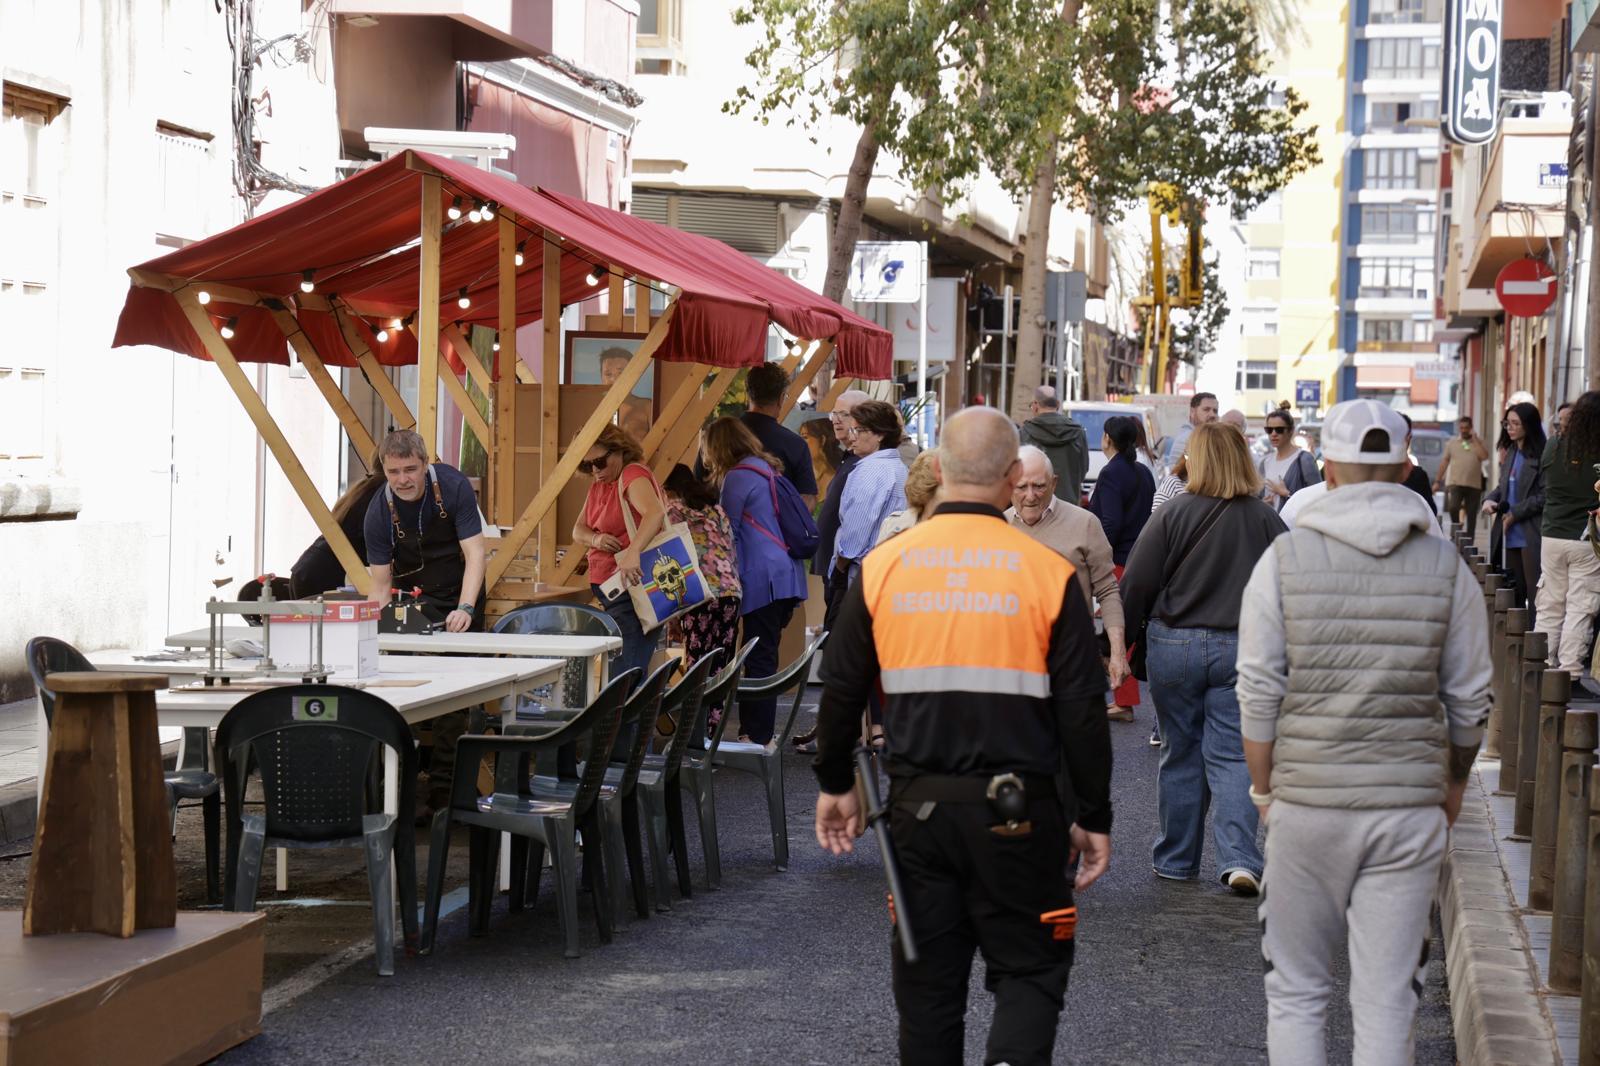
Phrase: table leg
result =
(283, 869)
(391, 805)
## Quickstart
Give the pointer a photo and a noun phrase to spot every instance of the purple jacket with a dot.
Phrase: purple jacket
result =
(765, 569)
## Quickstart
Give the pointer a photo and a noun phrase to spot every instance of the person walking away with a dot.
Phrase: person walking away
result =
(1122, 498)
(1186, 577)
(1569, 589)
(615, 464)
(765, 386)
(922, 493)
(773, 583)
(423, 531)
(715, 623)
(1311, 493)
(1075, 535)
(1287, 468)
(1359, 747)
(1416, 478)
(1518, 501)
(828, 514)
(1202, 409)
(1061, 438)
(1460, 477)
(985, 648)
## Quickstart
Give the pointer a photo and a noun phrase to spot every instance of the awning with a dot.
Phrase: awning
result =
(359, 237)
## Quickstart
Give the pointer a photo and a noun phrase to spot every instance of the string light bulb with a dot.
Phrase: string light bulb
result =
(204, 297)
(593, 277)
(399, 323)
(497, 346)
(382, 335)
(476, 214)
(307, 284)
(455, 209)
(463, 301)
(520, 246)
(228, 327)
(488, 211)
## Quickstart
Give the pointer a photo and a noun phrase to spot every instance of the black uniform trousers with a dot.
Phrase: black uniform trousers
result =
(968, 888)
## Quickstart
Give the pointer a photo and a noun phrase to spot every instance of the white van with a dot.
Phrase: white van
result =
(1092, 417)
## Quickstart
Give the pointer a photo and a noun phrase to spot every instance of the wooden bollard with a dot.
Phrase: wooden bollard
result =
(1555, 689)
(1511, 714)
(1480, 570)
(1504, 599)
(1578, 738)
(1492, 583)
(1589, 1010)
(1534, 650)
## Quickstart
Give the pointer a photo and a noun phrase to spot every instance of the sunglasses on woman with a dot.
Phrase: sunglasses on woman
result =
(594, 466)
(1275, 430)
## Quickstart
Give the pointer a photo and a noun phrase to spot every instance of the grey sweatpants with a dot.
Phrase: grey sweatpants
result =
(1362, 877)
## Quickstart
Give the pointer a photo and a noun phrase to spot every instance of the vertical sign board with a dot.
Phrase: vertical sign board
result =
(1471, 104)
(897, 272)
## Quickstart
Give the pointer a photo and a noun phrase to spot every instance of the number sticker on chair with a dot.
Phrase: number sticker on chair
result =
(315, 708)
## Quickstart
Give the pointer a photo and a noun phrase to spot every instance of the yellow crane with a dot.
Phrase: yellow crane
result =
(1165, 204)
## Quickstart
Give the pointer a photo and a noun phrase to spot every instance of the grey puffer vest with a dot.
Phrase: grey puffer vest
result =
(1362, 725)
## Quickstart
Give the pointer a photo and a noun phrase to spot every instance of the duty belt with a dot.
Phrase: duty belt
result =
(939, 788)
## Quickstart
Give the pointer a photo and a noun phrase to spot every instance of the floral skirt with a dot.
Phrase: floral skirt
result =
(712, 625)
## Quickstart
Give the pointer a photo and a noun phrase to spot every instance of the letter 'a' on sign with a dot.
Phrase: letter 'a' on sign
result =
(1470, 110)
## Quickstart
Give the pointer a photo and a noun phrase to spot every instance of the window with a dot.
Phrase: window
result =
(1402, 57)
(1397, 278)
(28, 271)
(1277, 97)
(1401, 116)
(1268, 210)
(1264, 264)
(659, 36)
(1394, 12)
(1398, 168)
(1259, 322)
(1396, 223)
(1257, 374)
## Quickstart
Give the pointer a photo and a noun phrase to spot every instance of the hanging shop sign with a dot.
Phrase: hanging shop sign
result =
(1526, 288)
(1471, 105)
(886, 272)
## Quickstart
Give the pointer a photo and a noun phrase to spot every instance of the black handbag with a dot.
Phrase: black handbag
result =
(1136, 651)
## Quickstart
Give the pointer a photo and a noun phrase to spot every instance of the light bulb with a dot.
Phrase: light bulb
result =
(519, 252)
(593, 277)
(487, 210)
(463, 301)
(474, 215)
(497, 346)
(382, 335)
(455, 209)
(306, 284)
(204, 297)
(227, 328)
(398, 324)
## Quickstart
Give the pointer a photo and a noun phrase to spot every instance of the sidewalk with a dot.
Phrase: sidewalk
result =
(1497, 950)
(19, 766)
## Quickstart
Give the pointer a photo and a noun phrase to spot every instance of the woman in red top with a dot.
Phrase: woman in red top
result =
(615, 463)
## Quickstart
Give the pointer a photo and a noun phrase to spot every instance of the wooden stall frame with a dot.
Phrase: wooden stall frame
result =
(463, 401)
(360, 440)
(373, 370)
(427, 320)
(503, 453)
(456, 337)
(550, 397)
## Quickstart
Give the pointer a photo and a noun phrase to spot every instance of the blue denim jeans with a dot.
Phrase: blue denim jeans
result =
(1202, 754)
(637, 645)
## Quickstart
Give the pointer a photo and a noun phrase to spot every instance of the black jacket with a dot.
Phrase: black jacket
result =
(1123, 495)
(1067, 446)
(1206, 590)
(828, 516)
(1529, 509)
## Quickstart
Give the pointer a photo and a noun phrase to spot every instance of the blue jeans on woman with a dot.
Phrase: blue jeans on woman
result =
(637, 645)
(1192, 679)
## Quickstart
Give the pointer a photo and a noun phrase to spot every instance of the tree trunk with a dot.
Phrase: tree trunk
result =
(846, 230)
(1029, 349)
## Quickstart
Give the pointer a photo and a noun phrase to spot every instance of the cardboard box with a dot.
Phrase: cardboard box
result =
(349, 638)
(179, 995)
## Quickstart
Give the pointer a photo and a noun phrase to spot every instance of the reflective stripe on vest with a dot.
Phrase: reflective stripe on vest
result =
(964, 603)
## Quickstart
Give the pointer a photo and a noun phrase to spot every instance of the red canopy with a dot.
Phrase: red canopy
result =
(359, 236)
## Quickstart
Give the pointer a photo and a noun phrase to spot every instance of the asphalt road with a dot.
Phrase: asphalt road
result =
(777, 968)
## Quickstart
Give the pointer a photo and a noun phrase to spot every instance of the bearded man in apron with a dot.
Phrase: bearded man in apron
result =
(424, 531)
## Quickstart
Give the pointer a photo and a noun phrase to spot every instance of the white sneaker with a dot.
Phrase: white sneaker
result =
(1243, 882)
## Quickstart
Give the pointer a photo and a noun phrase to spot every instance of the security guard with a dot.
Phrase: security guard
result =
(986, 652)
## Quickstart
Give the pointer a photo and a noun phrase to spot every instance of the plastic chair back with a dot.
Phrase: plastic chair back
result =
(683, 701)
(567, 619)
(797, 674)
(639, 714)
(52, 655)
(724, 689)
(314, 747)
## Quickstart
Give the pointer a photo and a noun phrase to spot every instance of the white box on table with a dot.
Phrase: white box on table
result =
(349, 638)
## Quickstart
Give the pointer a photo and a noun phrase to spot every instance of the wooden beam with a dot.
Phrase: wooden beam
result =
(524, 375)
(231, 294)
(641, 305)
(804, 377)
(503, 453)
(427, 320)
(456, 337)
(614, 302)
(672, 411)
(220, 354)
(365, 447)
(684, 437)
(459, 396)
(834, 392)
(550, 487)
(550, 395)
(376, 375)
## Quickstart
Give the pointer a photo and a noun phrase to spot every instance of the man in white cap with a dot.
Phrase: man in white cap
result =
(1363, 687)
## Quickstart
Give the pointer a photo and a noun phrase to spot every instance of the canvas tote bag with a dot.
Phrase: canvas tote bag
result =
(670, 578)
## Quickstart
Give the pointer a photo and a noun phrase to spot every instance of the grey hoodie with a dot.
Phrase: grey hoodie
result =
(1375, 601)
(1067, 445)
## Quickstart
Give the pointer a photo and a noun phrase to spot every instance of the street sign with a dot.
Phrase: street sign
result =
(1526, 288)
(1471, 104)
(1308, 393)
(886, 272)
(1436, 370)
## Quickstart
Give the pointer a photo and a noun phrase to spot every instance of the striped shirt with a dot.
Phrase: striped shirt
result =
(877, 488)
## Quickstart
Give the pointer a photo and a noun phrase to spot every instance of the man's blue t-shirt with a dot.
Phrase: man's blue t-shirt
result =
(460, 503)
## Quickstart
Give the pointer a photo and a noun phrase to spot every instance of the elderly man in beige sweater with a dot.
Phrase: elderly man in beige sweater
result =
(1077, 536)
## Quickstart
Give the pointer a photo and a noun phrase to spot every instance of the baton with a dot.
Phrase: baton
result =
(876, 815)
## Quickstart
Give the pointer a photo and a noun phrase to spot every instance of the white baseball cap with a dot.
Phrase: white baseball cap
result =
(1348, 424)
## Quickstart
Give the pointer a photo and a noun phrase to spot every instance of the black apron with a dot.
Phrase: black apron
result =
(431, 558)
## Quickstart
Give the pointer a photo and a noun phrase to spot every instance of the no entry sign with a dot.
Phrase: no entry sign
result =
(1526, 288)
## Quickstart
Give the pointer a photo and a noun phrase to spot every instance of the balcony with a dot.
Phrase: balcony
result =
(478, 29)
(1522, 191)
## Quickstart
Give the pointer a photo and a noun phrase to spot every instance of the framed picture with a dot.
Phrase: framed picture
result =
(598, 357)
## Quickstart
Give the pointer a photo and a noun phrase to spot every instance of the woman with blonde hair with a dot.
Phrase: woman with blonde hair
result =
(773, 581)
(1184, 582)
(922, 493)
